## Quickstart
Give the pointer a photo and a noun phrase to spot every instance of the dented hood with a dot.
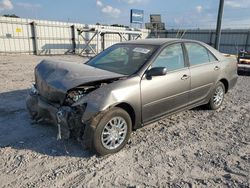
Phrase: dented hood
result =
(54, 79)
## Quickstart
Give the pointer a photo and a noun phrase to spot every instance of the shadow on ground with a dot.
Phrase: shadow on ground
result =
(17, 130)
(244, 73)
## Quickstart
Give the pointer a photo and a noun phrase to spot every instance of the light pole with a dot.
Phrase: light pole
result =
(218, 28)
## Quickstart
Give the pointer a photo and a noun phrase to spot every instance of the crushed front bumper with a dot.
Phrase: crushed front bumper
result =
(65, 118)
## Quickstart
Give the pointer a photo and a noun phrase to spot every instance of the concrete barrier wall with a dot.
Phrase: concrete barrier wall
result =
(51, 37)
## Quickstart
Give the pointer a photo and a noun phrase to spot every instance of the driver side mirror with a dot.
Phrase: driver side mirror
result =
(156, 71)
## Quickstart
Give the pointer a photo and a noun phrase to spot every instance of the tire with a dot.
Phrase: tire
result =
(108, 137)
(217, 98)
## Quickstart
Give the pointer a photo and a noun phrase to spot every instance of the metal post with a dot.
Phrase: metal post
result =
(120, 37)
(97, 43)
(156, 33)
(218, 28)
(247, 40)
(78, 41)
(102, 41)
(34, 34)
(211, 37)
(73, 38)
(129, 37)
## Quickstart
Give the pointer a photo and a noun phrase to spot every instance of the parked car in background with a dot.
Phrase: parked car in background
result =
(243, 62)
(127, 86)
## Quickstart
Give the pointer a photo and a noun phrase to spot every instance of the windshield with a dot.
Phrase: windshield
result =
(124, 59)
(244, 55)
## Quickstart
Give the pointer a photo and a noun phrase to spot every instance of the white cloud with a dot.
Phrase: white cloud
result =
(132, 1)
(199, 8)
(236, 23)
(237, 3)
(114, 12)
(194, 19)
(232, 4)
(6, 5)
(108, 9)
(99, 3)
(28, 5)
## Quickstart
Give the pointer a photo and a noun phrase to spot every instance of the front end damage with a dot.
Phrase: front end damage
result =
(66, 117)
(59, 94)
(69, 117)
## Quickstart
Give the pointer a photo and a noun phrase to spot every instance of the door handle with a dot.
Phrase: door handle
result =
(184, 77)
(216, 68)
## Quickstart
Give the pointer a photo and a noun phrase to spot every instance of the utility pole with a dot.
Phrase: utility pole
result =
(218, 28)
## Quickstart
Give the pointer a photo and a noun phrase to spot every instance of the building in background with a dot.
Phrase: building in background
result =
(155, 25)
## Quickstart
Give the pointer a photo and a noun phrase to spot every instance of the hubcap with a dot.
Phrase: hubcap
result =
(218, 96)
(114, 133)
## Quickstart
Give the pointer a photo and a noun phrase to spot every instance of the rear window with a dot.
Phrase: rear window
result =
(244, 55)
(198, 54)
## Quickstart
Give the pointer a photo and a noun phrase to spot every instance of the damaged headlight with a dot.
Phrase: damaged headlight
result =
(33, 90)
(75, 98)
(75, 94)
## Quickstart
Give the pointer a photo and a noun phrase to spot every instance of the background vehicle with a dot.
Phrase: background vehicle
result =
(127, 86)
(243, 62)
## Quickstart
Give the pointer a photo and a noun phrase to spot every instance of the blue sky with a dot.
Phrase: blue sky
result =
(175, 13)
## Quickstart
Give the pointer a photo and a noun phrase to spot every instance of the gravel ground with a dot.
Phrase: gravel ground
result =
(195, 148)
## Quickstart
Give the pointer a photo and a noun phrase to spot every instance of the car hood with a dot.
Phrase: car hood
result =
(55, 78)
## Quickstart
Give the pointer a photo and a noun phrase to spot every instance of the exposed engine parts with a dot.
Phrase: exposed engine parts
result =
(76, 94)
(81, 91)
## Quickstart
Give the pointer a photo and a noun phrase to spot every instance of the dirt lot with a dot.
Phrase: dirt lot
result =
(195, 148)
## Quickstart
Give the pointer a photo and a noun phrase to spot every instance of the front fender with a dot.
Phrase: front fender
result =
(108, 96)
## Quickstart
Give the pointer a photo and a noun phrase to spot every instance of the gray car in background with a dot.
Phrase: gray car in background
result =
(127, 86)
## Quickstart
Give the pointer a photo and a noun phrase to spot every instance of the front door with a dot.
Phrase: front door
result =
(164, 94)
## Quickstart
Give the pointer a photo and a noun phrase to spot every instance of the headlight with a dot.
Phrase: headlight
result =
(77, 97)
(33, 90)
(74, 96)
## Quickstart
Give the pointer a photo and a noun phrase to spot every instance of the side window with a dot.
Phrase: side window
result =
(197, 54)
(171, 58)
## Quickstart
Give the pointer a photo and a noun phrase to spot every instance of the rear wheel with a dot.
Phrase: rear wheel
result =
(217, 97)
(112, 132)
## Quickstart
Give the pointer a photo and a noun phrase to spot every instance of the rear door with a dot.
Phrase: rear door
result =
(204, 70)
(164, 94)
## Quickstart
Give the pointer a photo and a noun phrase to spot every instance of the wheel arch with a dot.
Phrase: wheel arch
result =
(130, 110)
(225, 83)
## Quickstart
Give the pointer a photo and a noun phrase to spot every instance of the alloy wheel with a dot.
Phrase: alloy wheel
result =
(114, 133)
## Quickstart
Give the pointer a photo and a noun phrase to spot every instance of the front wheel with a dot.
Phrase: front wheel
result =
(217, 97)
(112, 132)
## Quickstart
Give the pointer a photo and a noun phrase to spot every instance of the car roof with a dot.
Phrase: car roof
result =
(155, 41)
(163, 41)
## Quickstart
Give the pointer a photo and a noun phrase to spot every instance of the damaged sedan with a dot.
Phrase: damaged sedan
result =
(127, 86)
